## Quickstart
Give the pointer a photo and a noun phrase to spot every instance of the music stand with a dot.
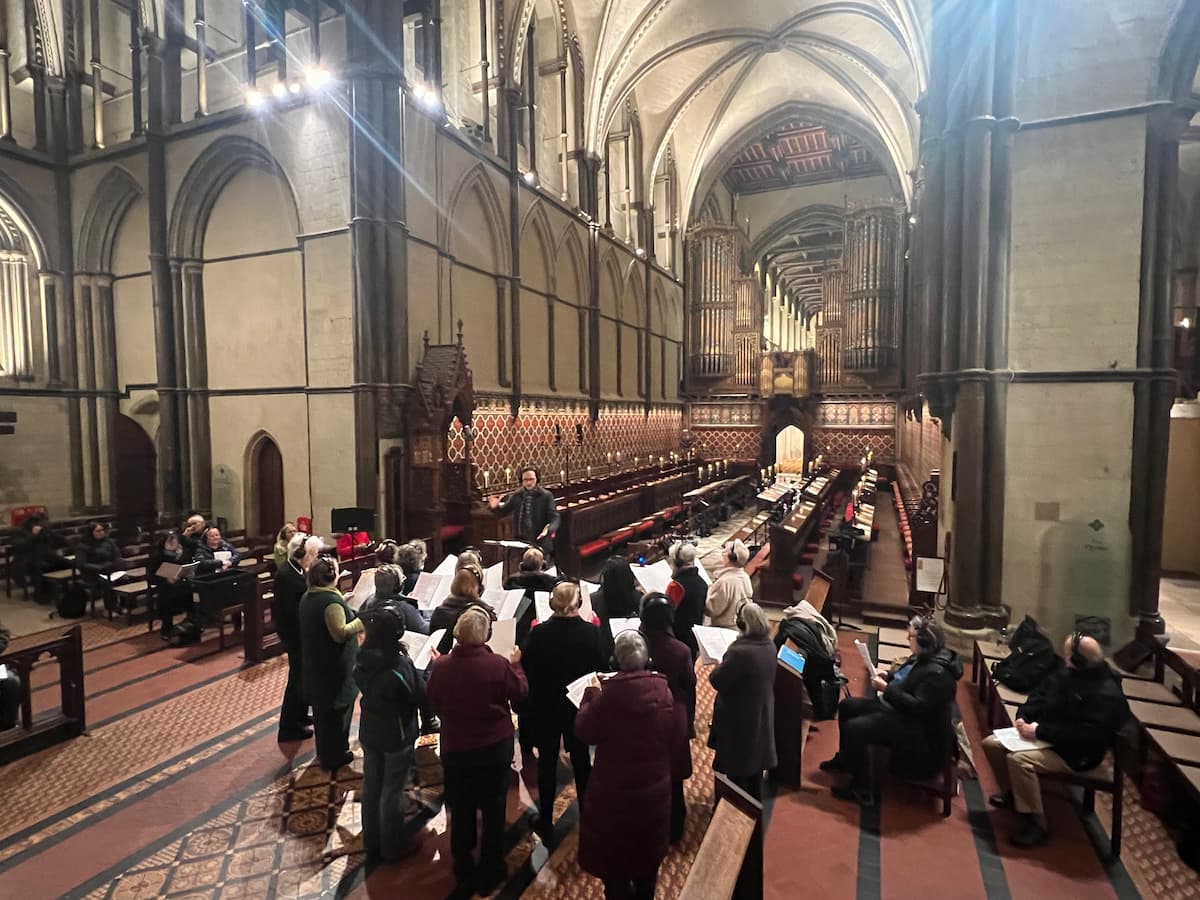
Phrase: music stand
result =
(353, 520)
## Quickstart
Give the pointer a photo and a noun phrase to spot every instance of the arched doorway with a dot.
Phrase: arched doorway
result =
(265, 513)
(789, 445)
(136, 460)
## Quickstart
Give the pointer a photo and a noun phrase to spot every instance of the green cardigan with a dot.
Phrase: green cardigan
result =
(328, 665)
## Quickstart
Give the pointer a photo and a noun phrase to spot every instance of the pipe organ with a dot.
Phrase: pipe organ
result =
(874, 266)
(747, 330)
(830, 327)
(714, 265)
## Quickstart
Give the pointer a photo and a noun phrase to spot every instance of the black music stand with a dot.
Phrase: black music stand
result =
(353, 520)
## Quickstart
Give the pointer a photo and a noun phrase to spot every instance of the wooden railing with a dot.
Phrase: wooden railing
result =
(729, 862)
(38, 732)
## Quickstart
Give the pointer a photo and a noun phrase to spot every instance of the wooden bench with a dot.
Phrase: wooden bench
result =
(127, 593)
(258, 635)
(729, 861)
(35, 733)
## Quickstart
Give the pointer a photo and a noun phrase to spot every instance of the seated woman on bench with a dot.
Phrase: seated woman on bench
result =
(215, 554)
(96, 558)
(910, 716)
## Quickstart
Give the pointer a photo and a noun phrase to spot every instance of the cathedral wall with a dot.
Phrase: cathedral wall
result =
(34, 459)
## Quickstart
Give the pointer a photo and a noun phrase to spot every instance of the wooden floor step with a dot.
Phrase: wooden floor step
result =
(884, 619)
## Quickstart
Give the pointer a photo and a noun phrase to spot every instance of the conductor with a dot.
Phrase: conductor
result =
(535, 519)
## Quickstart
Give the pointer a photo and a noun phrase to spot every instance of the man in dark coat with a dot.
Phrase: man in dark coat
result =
(1078, 710)
(556, 653)
(912, 716)
(687, 592)
(625, 818)
(35, 552)
(743, 723)
(289, 588)
(10, 689)
(671, 657)
(534, 512)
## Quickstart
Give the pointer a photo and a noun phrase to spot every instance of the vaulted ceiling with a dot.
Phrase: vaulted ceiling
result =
(708, 75)
(796, 154)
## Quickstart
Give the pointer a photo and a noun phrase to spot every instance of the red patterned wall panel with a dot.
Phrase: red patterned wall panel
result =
(727, 443)
(503, 442)
(846, 446)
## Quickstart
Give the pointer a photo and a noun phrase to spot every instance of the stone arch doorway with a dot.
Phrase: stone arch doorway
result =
(264, 489)
(134, 478)
(789, 444)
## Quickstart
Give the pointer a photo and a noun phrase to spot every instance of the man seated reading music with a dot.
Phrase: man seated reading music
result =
(1072, 718)
(535, 518)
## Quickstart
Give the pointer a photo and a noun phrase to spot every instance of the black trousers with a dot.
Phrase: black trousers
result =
(10, 701)
(678, 812)
(386, 831)
(331, 727)
(471, 790)
(862, 722)
(637, 889)
(293, 714)
(171, 600)
(581, 765)
(751, 784)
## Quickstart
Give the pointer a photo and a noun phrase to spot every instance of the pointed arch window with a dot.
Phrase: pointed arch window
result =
(16, 317)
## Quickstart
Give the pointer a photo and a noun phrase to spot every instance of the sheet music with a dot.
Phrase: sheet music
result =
(585, 608)
(430, 590)
(654, 578)
(541, 600)
(514, 545)
(3, 672)
(1014, 743)
(865, 654)
(363, 590)
(930, 573)
(446, 566)
(713, 642)
(223, 556)
(504, 637)
(116, 576)
(493, 577)
(616, 626)
(420, 647)
(703, 573)
(552, 571)
(504, 603)
(576, 689)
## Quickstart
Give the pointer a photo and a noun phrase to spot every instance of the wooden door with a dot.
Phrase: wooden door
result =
(268, 489)
(136, 466)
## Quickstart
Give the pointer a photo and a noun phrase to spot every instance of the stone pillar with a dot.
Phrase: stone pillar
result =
(106, 376)
(378, 234)
(86, 360)
(5, 82)
(198, 451)
(169, 463)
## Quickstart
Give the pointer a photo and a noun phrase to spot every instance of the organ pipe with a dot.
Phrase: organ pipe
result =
(871, 298)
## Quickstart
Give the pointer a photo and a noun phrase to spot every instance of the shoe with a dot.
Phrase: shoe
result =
(295, 734)
(344, 761)
(432, 725)
(1001, 801)
(833, 764)
(849, 792)
(1031, 834)
(543, 828)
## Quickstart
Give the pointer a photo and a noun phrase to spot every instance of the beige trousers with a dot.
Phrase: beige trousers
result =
(1018, 772)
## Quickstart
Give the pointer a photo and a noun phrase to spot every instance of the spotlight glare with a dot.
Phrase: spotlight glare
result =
(255, 98)
(279, 89)
(317, 76)
(531, 178)
(294, 87)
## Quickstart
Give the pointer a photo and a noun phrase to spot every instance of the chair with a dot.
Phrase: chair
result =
(1106, 778)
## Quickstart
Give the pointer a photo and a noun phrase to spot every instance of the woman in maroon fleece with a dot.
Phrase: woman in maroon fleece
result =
(624, 823)
(472, 690)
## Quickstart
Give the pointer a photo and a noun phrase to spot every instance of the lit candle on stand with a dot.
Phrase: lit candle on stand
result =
(487, 478)
(562, 476)
(589, 471)
(507, 474)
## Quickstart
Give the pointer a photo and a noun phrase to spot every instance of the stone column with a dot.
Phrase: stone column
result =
(104, 322)
(199, 448)
(5, 82)
(378, 233)
(179, 305)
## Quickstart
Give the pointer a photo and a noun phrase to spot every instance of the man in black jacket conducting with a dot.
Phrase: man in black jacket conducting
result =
(911, 715)
(1078, 711)
(535, 518)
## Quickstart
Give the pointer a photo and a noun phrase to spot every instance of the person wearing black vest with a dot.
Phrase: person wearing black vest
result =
(687, 592)
(329, 646)
(534, 512)
(556, 652)
(392, 692)
(290, 587)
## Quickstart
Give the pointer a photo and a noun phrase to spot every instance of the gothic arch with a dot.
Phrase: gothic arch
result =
(475, 186)
(611, 284)
(112, 199)
(1180, 57)
(208, 176)
(632, 303)
(658, 311)
(569, 248)
(537, 225)
(17, 232)
(263, 484)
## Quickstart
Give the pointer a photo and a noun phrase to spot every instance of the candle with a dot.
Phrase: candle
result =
(487, 478)
(589, 471)
(562, 475)
(618, 457)
(507, 474)
(610, 457)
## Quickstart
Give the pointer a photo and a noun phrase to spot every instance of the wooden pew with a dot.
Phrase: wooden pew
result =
(729, 862)
(35, 733)
(258, 636)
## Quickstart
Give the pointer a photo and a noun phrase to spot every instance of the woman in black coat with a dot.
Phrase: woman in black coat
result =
(531, 578)
(743, 723)
(687, 592)
(671, 657)
(96, 557)
(556, 652)
(290, 586)
(464, 594)
(392, 692)
(211, 543)
(170, 597)
(618, 598)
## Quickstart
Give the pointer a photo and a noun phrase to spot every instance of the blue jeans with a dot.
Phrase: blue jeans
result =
(385, 779)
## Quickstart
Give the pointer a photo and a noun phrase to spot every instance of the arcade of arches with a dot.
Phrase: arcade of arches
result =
(262, 260)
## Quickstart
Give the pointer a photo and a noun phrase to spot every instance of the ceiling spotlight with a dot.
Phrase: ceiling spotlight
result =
(641, 253)
(420, 92)
(255, 98)
(912, 220)
(317, 76)
(279, 89)
(531, 178)
(294, 87)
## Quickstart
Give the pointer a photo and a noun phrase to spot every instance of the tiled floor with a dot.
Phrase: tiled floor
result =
(1179, 605)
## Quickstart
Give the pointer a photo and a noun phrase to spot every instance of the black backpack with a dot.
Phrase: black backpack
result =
(820, 673)
(72, 601)
(1030, 660)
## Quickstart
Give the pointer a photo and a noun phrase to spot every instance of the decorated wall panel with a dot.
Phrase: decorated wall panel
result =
(727, 443)
(503, 442)
(846, 446)
(732, 413)
(857, 414)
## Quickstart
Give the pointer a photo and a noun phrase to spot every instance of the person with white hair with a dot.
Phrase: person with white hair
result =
(730, 588)
(624, 823)
(743, 722)
(289, 587)
(686, 591)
